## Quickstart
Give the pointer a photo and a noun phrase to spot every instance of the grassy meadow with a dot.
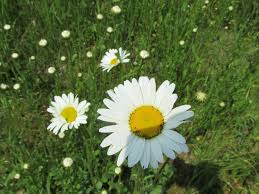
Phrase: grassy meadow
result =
(209, 49)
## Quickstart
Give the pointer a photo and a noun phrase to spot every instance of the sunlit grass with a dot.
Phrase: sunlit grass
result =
(209, 47)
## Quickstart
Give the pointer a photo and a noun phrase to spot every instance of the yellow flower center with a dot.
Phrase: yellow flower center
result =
(114, 61)
(146, 121)
(69, 113)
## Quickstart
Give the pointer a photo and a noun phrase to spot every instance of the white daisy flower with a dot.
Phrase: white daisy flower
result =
(222, 104)
(113, 58)
(79, 74)
(51, 70)
(181, 42)
(25, 166)
(17, 176)
(15, 55)
(61, 135)
(206, 2)
(195, 29)
(142, 121)
(99, 16)
(43, 42)
(201, 96)
(104, 192)
(144, 54)
(230, 8)
(16, 86)
(32, 58)
(7, 27)
(89, 54)
(109, 29)
(116, 9)
(117, 170)
(67, 162)
(67, 113)
(3, 86)
(63, 58)
(123, 56)
(65, 34)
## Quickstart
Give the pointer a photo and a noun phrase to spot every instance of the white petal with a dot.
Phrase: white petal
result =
(178, 110)
(184, 148)
(108, 129)
(178, 119)
(144, 85)
(125, 151)
(145, 159)
(153, 161)
(156, 149)
(174, 136)
(167, 103)
(165, 148)
(122, 156)
(136, 153)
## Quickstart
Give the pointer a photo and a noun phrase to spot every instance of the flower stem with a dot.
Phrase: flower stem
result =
(160, 170)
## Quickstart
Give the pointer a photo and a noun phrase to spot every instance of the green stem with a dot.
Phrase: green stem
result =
(160, 170)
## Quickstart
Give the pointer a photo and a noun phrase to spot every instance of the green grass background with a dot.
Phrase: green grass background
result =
(221, 62)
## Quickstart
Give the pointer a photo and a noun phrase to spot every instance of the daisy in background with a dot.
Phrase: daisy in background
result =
(114, 57)
(142, 121)
(67, 113)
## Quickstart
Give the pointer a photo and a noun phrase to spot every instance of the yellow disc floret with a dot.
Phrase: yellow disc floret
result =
(69, 113)
(114, 61)
(146, 121)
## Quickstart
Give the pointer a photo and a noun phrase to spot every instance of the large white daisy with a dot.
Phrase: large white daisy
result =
(114, 57)
(67, 113)
(142, 121)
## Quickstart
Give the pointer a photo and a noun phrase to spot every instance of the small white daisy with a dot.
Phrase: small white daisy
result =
(104, 192)
(63, 58)
(230, 8)
(65, 34)
(43, 42)
(142, 121)
(61, 135)
(222, 104)
(109, 29)
(206, 2)
(67, 162)
(195, 29)
(17, 176)
(113, 58)
(99, 16)
(181, 42)
(16, 86)
(226, 27)
(89, 54)
(15, 55)
(79, 74)
(67, 113)
(123, 56)
(25, 166)
(117, 170)
(3, 86)
(32, 58)
(7, 27)
(116, 9)
(201, 96)
(144, 54)
(51, 70)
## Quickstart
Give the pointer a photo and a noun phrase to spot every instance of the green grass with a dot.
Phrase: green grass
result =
(221, 62)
